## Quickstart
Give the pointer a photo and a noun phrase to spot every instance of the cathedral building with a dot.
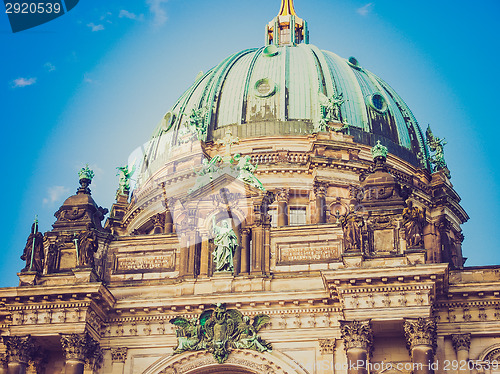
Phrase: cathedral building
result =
(288, 216)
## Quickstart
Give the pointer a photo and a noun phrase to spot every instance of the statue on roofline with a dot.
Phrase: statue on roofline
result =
(436, 145)
(33, 252)
(125, 176)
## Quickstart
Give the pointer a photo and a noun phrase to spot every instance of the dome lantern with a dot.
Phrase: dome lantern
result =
(279, 30)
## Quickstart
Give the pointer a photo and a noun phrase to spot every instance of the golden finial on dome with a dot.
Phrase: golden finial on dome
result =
(286, 28)
(287, 8)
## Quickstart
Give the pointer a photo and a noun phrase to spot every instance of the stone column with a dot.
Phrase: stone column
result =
(257, 249)
(3, 363)
(20, 350)
(78, 349)
(420, 337)
(204, 255)
(169, 222)
(245, 251)
(183, 257)
(320, 193)
(118, 356)
(282, 216)
(461, 344)
(358, 343)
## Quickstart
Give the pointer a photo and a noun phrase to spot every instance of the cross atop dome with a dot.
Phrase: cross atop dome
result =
(286, 28)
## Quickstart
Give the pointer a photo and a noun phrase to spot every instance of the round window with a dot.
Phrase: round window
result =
(264, 87)
(378, 102)
(168, 120)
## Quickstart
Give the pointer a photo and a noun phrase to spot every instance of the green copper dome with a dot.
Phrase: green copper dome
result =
(281, 90)
(288, 88)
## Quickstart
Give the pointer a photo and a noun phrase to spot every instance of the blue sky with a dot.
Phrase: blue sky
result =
(89, 87)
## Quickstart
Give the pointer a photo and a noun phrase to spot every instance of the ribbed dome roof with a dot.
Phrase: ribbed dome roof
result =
(277, 90)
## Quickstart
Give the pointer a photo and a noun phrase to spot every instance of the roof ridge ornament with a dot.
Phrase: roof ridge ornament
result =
(287, 28)
(86, 175)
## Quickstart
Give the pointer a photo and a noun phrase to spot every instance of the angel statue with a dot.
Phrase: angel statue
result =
(436, 145)
(247, 171)
(125, 176)
(226, 242)
(196, 123)
(189, 334)
(249, 339)
(330, 109)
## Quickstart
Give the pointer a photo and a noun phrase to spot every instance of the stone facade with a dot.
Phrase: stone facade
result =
(348, 260)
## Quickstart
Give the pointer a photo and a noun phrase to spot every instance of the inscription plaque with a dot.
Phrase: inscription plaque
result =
(307, 254)
(163, 262)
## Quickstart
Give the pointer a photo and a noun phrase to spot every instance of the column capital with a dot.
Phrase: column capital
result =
(357, 334)
(320, 189)
(282, 195)
(461, 342)
(326, 346)
(19, 348)
(420, 331)
(81, 347)
(118, 354)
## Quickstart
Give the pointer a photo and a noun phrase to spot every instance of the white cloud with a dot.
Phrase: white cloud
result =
(126, 14)
(55, 194)
(87, 79)
(95, 27)
(49, 66)
(365, 9)
(159, 13)
(23, 82)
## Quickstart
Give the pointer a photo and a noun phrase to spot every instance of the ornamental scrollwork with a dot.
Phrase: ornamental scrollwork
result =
(220, 330)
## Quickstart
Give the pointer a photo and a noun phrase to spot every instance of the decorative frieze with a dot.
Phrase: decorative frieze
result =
(461, 342)
(356, 334)
(420, 331)
(119, 354)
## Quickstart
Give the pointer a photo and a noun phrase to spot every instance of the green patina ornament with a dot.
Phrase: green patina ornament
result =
(125, 176)
(219, 331)
(236, 166)
(86, 173)
(379, 150)
(436, 145)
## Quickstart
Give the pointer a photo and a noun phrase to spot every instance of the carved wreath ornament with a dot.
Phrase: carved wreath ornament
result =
(220, 330)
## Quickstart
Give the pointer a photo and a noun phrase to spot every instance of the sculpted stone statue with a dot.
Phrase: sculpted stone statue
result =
(413, 223)
(351, 225)
(226, 242)
(33, 252)
(87, 246)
